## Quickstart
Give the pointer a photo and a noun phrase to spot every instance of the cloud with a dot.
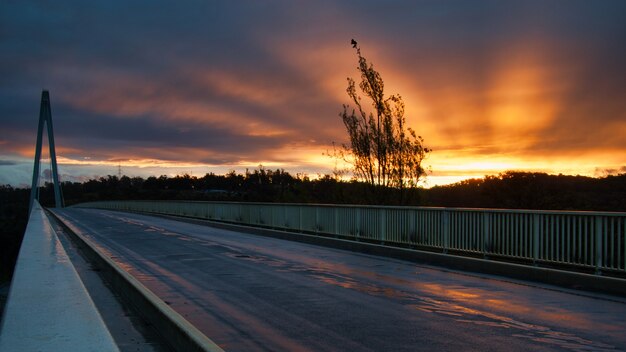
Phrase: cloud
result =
(225, 83)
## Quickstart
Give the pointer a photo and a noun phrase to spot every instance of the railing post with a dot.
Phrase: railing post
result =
(336, 221)
(486, 233)
(536, 220)
(300, 217)
(413, 231)
(445, 217)
(598, 245)
(317, 219)
(382, 226)
(358, 223)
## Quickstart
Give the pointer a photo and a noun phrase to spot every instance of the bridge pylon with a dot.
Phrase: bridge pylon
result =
(45, 118)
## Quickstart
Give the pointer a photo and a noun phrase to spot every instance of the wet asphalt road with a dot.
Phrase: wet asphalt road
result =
(252, 293)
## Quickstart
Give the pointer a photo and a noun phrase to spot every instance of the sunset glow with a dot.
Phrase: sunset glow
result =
(497, 86)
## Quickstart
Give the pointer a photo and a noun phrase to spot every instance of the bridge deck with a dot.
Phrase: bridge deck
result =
(255, 293)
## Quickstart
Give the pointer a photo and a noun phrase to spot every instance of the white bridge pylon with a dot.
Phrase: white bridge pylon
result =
(45, 118)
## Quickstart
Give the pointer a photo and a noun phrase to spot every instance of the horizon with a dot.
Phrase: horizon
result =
(169, 89)
(47, 178)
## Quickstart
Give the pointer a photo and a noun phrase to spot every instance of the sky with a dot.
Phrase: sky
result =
(190, 87)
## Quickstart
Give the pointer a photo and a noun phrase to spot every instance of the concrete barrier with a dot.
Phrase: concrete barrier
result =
(48, 308)
(174, 328)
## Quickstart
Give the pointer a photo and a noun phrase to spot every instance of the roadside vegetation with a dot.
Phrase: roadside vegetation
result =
(13, 218)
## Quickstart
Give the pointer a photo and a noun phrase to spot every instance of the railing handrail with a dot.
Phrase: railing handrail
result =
(370, 206)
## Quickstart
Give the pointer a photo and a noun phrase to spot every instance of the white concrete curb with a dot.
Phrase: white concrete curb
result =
(180, 333)
(48, 307)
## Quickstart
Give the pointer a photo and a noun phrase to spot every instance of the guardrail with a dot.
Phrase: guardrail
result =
(594, 241)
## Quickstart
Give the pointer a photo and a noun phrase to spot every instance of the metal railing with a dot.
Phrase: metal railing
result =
(586, 240)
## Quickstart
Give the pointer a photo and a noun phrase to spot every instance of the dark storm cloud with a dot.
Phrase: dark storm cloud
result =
(112, 136)
(62, 47)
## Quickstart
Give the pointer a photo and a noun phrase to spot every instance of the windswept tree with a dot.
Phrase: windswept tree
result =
(383, 151)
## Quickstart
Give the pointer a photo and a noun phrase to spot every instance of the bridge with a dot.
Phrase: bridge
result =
(213, 276)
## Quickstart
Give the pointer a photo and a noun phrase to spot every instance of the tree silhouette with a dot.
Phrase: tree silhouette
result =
(383, 151)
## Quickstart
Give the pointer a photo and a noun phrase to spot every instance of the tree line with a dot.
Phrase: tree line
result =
(511, 190)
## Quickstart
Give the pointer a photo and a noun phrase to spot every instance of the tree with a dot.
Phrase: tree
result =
(383, 151)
